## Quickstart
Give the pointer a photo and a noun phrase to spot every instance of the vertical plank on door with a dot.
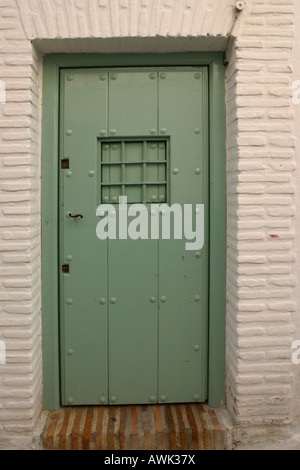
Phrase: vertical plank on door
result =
(83, 323)
(132, 102)
(183, 113)
(132, 264)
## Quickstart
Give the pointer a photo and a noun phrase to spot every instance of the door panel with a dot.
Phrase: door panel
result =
(132, 103)
(133, 314)
(183, 273)
(83, 319)
(132, 320)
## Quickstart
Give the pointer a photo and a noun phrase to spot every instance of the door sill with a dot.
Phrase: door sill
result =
(137, 427)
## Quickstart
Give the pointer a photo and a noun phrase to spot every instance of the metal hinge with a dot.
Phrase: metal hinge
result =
(65, 268)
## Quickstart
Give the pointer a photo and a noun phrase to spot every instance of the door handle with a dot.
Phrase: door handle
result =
(75, 216)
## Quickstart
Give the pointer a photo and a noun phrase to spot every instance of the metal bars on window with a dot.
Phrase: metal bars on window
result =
(133, 168)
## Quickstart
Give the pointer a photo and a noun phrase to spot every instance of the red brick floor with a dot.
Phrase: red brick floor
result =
(149, 427)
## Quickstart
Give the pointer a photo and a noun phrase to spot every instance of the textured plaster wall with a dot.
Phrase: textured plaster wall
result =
(296, 110)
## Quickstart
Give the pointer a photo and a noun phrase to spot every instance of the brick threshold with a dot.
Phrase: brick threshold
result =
(135, 427)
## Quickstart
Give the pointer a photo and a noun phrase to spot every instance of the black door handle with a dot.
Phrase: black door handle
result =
(75, 216)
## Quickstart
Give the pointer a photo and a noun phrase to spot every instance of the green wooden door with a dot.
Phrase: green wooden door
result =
(133, 309)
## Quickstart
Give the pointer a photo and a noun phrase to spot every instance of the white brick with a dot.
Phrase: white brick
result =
(16, 235)
(283, 378)
(282, 306)
(280, 21)
(252, 283)
(263, 294)
(251, 356)
(260, 317)
(281, 258)
(264, 390)
(252, 259)
(281, 212)
(268, 31)
(17, 308)
(272, 9)
(19, 259)
(286, 281)
(251, 307)
(249, 379)
(17, 283)
(283, 141)
(281, 354)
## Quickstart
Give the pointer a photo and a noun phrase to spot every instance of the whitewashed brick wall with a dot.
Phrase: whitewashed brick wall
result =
(261, 144)
(261, 247)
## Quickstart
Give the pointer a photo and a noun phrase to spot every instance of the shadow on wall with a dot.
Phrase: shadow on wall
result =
(136, 45)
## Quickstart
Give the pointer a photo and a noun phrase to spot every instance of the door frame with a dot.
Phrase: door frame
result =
(52, 64)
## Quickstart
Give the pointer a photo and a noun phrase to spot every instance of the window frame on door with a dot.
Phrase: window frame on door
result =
(52, 64)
